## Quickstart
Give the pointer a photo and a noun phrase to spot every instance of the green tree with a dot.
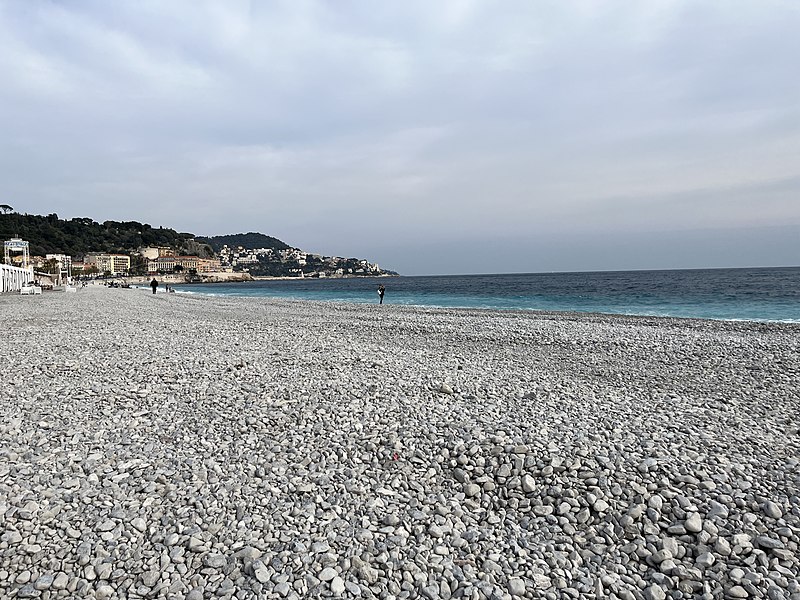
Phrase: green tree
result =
(50, 266)
(138, 265)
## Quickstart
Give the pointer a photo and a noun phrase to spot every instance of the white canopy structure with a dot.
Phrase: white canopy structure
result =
(13, 278)
(17, 246)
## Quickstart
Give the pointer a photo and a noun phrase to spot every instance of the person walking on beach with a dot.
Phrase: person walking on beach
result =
(154, 285)
(381, 292)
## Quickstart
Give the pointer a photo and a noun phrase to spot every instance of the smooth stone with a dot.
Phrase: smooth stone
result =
(772, 510)
(671, 545)
(516, 587)
(60, 582)
(215, 561)
(337, 586)
(368, 574)
(12, 537)
(471, 490)
(260, 571)
(195, 544)
(528, 484)
(660, 556)
(541, 581)
(705, 560)
(248, 553)
(654, 592)
(27, 591)
(694, 524)
(327, 574)
(106, 525)
(647, 464)
(44, 582)
(763, 541)
(736, 574)
(722, 546)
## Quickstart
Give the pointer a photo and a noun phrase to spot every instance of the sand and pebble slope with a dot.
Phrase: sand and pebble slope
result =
(172, 446)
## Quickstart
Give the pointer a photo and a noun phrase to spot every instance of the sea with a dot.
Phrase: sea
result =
(752, 294)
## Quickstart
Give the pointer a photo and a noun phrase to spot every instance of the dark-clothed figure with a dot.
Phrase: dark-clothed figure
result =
(381, 292)
(154, 285)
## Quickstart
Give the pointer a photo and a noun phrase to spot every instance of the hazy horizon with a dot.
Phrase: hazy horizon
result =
(463, 137)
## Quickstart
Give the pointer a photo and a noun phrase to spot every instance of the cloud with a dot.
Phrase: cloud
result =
(358, 126)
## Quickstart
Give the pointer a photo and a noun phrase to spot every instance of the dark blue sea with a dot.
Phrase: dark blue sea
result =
(765, 294)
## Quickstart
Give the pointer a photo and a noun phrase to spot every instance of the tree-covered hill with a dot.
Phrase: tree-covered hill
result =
(245, 240)
(51, 235)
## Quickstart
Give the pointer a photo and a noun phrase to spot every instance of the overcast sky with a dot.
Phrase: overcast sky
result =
(432, 137)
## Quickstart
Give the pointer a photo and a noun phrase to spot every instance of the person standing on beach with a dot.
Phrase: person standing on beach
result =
(154, 285)
(381, 292)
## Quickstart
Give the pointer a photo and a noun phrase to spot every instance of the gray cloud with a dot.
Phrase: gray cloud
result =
(360, 129)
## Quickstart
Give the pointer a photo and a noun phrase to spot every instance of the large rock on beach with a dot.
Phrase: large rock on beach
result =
(187, 447)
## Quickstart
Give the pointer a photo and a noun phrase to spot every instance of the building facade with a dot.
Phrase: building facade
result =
(167, 264)
(153, 252)
(116, 264)
(63, 260)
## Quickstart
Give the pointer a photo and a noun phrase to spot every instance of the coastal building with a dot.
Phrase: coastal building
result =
(62, 264)
(244, 259)
(116, 264)
(208, 265)
(153, 252)
(168, 264)
(64, 260)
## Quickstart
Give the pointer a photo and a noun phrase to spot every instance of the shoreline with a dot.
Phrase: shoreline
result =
(484, 311)
(280, 448)
(488, 310)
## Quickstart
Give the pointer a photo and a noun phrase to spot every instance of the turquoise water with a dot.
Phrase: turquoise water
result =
(766, 294)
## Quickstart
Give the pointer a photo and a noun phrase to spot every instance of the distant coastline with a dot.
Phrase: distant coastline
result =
(232, 277)
(269, 278)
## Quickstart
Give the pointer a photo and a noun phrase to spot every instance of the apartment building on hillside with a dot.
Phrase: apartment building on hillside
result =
(116, 264)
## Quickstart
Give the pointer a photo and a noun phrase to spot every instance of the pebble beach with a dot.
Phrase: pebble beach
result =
(187, 447)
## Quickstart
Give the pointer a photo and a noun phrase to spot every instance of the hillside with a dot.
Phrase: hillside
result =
(51, 235)
(263, 254)
(245, 240)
